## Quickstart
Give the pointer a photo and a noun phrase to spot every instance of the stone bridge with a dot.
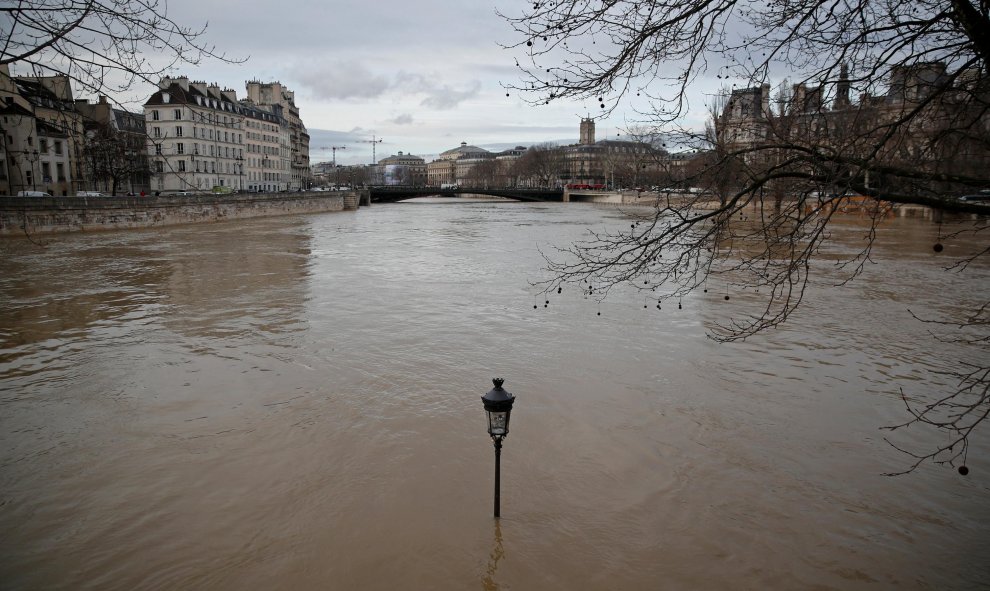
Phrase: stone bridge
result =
(389, 194)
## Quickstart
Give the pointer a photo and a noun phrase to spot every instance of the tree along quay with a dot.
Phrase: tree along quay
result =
(56, 215)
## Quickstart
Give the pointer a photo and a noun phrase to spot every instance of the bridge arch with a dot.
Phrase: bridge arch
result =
(391, 194)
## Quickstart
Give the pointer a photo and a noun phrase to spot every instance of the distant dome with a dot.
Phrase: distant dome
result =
(463, 151)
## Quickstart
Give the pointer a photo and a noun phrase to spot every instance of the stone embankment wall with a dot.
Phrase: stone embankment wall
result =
(48, 215)
(614, 197)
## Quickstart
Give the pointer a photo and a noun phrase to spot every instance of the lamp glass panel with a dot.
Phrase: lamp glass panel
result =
(498, 422)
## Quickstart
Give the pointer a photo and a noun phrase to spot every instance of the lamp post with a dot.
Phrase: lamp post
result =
(498, 406)
(32, 157)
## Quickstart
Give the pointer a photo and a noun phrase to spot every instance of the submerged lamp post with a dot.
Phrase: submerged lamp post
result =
(498, 405)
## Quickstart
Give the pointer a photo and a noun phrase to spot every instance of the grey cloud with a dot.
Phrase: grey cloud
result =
(353, 80)
(403, 119)
(445, 97)
(342, 80)
(440, 97)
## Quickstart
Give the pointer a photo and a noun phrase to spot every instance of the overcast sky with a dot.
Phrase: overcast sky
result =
(422, 75)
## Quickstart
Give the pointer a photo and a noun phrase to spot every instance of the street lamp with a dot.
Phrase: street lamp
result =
(32, 157)
(498, 406)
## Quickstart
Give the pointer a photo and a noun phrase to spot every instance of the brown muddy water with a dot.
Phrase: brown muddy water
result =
(294, 403)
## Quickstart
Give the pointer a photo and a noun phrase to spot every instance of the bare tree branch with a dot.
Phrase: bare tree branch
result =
(890, 106)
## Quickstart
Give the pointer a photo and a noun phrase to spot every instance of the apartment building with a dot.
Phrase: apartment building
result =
(195, 137)
(41, 135)
(273, 94)
(267, 147)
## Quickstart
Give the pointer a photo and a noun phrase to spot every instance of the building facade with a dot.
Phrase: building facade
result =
(454, 166)
(115, 155)
(402, 169)
(267, 146)
(273, 94)
(195, 137)
(42, 135)
(929, 123)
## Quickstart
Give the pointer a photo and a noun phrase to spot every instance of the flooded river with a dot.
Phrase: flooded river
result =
(294, 403)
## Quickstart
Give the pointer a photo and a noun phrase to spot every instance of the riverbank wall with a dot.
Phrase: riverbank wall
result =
(613, 197)
(21, 216)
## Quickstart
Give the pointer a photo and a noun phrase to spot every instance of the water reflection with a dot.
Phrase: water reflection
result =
(490, 580)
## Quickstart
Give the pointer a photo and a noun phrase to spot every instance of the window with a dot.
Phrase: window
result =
(43, 144)
(60, 169)
(46, 171)
(182, 165)
(178, 131)
(155, 116)
(29, 177)
(196, 149)
(158, 131)
(178, 114)
(158, 149)
(225, 138)
(58, 148)
(180, 148)
(159, 166)
(30, 141)
(197, 166)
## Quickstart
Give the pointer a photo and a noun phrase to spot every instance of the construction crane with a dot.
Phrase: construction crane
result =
(334, 149)
(372, 141)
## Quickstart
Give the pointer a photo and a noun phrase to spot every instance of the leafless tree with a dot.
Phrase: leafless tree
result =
(542, 164)
(890, 103)
(482, 174)
(103, 46)
(115, 158)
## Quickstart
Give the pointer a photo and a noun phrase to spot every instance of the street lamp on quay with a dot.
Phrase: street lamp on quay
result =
(32, 157)
(498, 406)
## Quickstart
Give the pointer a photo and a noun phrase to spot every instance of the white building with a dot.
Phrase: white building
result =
(267, 148)
(195, 137)
(282, 102)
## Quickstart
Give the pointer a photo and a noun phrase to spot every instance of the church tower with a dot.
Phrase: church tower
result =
(587, 132)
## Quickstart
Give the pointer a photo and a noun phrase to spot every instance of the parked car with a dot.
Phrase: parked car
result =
(32, 194)
(983, 195)
(90, 194)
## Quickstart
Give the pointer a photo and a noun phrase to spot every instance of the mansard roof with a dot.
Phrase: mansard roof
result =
(39, 95)
(465, 150)
(14, 109)
(401, 158)
(177, 95)
(47, 129)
